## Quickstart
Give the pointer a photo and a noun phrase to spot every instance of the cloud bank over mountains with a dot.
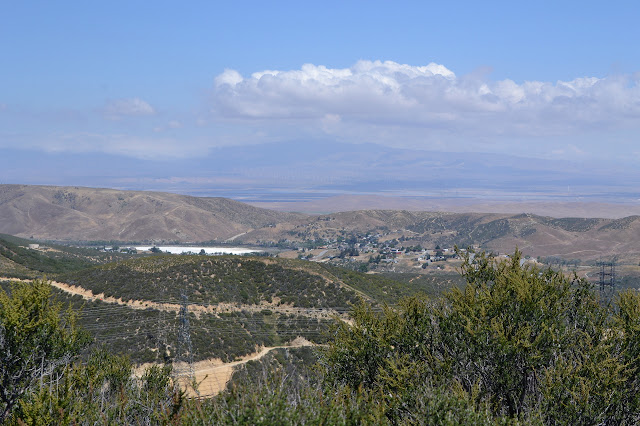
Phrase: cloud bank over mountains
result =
(375, 127)
(424, 105)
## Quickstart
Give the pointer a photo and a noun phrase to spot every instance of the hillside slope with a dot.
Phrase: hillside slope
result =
(71, 213)
(50, 212)
(237, 304)
(239, 281)
(213, 280)
(575, 238)
(19, 261)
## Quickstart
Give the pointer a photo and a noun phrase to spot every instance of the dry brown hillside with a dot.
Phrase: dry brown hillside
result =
(74, 213)
(571, 238)
(50, 212)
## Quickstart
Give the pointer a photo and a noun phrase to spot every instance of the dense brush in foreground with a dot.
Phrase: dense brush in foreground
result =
(517, 345)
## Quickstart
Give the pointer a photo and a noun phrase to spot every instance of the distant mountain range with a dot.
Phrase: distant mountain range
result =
(312, 170)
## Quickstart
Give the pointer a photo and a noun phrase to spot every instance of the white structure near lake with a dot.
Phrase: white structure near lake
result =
(198, 250)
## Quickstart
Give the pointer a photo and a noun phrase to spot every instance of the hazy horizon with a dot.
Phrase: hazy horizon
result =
(288, 103)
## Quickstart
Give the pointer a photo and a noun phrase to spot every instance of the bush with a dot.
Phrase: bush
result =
(37, 341)
(522, 342)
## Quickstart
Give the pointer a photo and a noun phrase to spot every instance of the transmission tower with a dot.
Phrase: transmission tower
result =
(607, 278)
(183, 361)
(163, 345)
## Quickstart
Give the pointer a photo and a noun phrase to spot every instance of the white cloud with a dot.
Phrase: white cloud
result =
(228, 77)
(391, 101)
(427, 107)
(119, 108)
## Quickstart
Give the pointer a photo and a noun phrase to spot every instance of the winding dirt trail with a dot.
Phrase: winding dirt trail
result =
(213, 375)
(197, 309)
(236, 236)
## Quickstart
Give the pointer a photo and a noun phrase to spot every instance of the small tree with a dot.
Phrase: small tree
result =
(37, 339)
(104, 390)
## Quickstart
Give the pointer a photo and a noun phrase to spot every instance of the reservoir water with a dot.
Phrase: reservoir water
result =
(197, 250)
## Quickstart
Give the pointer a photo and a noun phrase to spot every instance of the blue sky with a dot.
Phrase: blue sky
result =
(152, 81)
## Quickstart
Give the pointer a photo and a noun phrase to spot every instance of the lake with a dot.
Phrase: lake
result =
(197, 250)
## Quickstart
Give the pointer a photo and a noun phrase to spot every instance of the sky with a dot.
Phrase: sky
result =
(147, 83)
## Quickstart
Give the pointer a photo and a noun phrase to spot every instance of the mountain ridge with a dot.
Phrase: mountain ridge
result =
(79, 213)
(90, 214)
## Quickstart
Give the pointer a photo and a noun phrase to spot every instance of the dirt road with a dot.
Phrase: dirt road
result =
(197, 309)
(213, 377)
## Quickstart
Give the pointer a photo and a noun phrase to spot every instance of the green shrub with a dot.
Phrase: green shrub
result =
(522, 342)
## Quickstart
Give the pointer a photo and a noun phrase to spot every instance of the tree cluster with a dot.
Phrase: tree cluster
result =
(519, 343)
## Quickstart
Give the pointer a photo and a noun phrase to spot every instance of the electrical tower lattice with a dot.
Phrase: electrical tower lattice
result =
(607, 279)
(183, 361)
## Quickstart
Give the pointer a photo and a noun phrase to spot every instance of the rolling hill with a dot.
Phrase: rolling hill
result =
(75, 213)
(18, 261)
(239, 281)
(571, 238)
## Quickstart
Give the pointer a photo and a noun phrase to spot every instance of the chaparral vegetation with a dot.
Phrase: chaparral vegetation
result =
(516, 345)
